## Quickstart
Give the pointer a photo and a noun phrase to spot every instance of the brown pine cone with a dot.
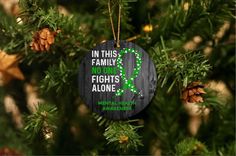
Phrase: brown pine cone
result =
(193, 92)
(43, 39)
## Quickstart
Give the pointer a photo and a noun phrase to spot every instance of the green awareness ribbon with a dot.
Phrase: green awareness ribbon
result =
(128, 83)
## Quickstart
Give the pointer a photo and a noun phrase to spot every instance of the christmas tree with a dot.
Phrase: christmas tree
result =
(191, 43)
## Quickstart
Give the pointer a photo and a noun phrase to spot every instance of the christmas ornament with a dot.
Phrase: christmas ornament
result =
(9, 68)
(43, 39)
(193, 92)
(117, 82)
(6, 151)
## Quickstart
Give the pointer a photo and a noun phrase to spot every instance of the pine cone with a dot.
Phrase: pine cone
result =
(43, 39)
(193, 93)
(5, 151)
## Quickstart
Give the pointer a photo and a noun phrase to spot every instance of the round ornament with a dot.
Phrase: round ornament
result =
(117, 82)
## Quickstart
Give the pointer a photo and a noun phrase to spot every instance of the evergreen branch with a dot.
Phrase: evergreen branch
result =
(58, 78)
(212, 101)
(41, 123)
(123, 136)
(179, 21)
(181, 68)
(191, 146)
(102, 121)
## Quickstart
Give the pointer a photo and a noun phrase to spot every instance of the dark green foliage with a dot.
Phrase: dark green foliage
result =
(191, 146)
(59, 78)
(44, 117)
(116, 130)
(9, 135)
(40, 128)
(204, 15)
(219, 124)
(183, 67)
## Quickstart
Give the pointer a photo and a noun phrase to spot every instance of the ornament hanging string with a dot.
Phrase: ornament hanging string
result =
(127, 82)
(116, 38)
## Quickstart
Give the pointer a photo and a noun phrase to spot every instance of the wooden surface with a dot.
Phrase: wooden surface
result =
(145, 83)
